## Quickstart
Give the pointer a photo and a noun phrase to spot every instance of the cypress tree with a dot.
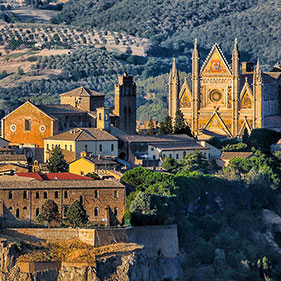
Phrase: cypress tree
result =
(56, 163)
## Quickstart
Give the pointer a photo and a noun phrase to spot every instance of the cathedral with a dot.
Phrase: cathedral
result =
(224, 100)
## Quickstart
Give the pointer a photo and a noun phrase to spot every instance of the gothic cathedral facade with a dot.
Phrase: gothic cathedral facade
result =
(225, 100)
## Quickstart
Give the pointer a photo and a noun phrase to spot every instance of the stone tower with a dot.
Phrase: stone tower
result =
(103, 120)
(125, 104)
(174, 86)
(236, 87)
(195, 87)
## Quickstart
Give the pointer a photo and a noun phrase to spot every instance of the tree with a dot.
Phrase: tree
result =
(263, 138)
(195, 161)
(245, 137)
(49, 212)
(56, 163)
(20, 71)
(170, 164)
(76, 214)
(93, 176)
(166, 126)
(180, 126)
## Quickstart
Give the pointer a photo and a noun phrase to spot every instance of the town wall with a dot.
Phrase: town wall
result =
(158, 241)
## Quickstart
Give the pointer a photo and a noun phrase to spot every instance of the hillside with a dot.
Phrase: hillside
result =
(175, 24)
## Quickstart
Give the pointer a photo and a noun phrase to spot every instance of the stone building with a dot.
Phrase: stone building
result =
(28, 125)
(22, 197)
(74, 141)
(226, 100)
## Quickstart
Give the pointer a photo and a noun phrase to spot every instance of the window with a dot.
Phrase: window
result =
(99, 116)
(112, 147)
(56, 194)
(65, 194)
(82, 173)
(52, 146)
(70, 147)
(152, 149)
(37, 195)
(24, 194)
(81, 200)
(184, 154)
(86, 147)
(115, 211)
(100, 147)
(10, 194)
(24, 208)
(154, 157)
(96, 212)
(65, 147)
(37, 212)
(115, 194)
(170, 155)
(17, 213)
(27, 124)
(96, 194)
(177, 156)
(47, 146)
(45, 195)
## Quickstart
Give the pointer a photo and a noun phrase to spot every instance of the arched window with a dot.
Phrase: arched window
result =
(115, 194)
(99, 116)
(65, 194)
(37, 195)
(96, 213)
(24, 208)
(24, 194)
(115, 211)
(37, 212)
(56, 194)
(10, 194)
(45, 195)
(96, 194)
(17, 213)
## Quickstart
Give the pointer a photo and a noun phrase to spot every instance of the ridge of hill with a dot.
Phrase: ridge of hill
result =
(175, 24)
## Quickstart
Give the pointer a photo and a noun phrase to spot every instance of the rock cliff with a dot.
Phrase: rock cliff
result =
(126, 266)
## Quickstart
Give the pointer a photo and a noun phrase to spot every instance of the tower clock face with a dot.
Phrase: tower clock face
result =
(215, 96)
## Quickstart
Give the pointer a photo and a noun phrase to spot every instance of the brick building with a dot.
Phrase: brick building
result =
(22, 197)
(28, 125)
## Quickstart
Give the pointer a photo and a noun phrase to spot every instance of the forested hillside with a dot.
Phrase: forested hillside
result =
(174, 24)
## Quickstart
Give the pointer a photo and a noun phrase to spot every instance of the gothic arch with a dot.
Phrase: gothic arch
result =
(246, 97)
(185, 96)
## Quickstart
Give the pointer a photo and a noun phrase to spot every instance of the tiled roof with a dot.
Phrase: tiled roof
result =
(83, 92)
(156, 138)
(229, 155)
(51, 109)
(83, 134)
(13, 183)
(53, 176)
(12, 157)
(179, 146)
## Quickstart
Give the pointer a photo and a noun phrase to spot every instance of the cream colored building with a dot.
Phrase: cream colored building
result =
(94, 141)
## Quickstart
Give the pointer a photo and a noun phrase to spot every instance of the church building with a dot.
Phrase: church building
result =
(226, 100)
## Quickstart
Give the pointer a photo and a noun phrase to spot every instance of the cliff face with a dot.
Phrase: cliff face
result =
(128, 266)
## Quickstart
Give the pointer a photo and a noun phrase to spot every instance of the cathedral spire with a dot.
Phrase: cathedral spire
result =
(257, 75)
(195, 50)
(174, 88)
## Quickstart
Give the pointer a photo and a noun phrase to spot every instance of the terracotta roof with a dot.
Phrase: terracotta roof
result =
(276, 75)
(156, 138)
(60, 109)
(229, 155)
(53, 176)
(83, 92)
(83, 134)
(116, 132)
(12, 157)
(14, 182)
(179, 146)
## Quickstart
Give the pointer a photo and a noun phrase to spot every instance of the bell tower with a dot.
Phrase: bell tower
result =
(258, 122)
(125, 104)
(174, 86)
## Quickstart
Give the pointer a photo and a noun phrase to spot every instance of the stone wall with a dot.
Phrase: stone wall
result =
(158, 241)
(29, 267)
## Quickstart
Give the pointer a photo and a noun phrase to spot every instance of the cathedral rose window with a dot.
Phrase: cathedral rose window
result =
(215, 96)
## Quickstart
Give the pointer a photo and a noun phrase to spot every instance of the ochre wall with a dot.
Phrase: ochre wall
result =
(35, 135)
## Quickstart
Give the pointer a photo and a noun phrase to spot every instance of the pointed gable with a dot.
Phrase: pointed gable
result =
(185, 96)
(246, 96)
(215, 122)
(215, 63)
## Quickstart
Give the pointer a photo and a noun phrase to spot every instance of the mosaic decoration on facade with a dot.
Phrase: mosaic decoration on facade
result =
(216, 64)
(185, 100)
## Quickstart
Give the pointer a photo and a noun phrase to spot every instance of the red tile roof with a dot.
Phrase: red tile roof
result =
(53, 176)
